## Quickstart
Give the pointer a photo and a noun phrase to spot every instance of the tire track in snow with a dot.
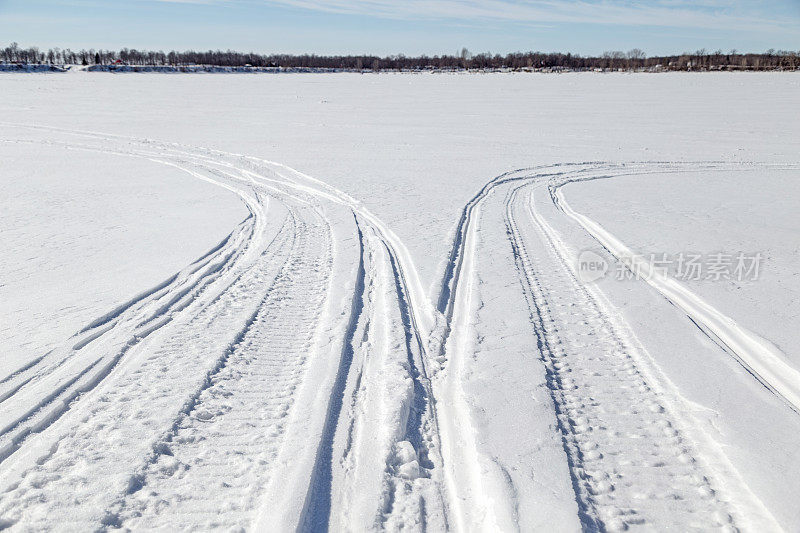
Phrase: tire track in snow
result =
(416, 316)
(44, 365)
(45, 389)
(323, 470)
(765, 362)
(377, 460)
(630, 464)
(587, 511)
(23, 491)
(221, 255)
(242, 407)
(208, 165)
(469, 505)
(317, 508)
(420, 428)
(600, 516)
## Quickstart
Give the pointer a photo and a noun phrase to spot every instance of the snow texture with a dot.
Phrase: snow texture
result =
(353, 302)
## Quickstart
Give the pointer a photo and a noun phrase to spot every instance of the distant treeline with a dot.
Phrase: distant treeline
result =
(632, 60)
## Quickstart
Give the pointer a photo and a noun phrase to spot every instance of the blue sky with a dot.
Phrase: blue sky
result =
(410, 27)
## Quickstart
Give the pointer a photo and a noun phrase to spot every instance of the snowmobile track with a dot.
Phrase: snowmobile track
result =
(266, 363)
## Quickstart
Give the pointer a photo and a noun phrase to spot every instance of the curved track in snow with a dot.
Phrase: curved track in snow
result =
(296, 376)
(757, 355)
(635, 455)
(193, 405)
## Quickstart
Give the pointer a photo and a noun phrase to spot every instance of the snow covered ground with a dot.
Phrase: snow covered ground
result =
(354, 301)
(79, 237)
(753, 211)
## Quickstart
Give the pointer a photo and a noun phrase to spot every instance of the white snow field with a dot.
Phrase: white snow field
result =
(79, 237)
(357, 302)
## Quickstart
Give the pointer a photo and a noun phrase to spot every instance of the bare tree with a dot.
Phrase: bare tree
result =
(633, 60)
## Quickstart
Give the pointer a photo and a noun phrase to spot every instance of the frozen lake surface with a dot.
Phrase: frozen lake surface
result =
(357, 301)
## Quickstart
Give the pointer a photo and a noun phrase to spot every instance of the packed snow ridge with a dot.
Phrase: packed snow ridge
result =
(299, 375)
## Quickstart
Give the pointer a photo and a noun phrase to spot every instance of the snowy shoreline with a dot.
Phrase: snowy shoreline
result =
(199, 336)
(218, 69)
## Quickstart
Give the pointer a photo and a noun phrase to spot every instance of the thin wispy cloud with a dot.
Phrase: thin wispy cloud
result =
(674, 13)
(410, 26)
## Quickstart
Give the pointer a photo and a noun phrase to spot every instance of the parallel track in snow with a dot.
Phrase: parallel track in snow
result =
(242, 407)
(201, 398)
(297, 377)
(42, 392)
(629, 466)
(196, 333)
(755, 354)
